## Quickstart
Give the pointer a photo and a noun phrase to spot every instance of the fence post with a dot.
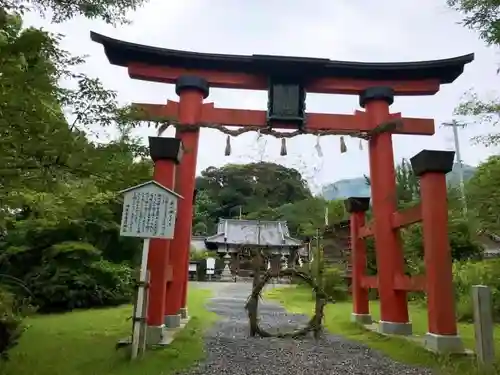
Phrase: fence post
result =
(483, 326)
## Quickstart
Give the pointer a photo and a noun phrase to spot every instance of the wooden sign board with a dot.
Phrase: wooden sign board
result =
(210, 266)
(149, 211)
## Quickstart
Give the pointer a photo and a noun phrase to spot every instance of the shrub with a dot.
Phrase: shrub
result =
(334, 284)
(467, 274)
(201, 255)
(463, 242)
(330, 278)
(77, 277)
(10, 323)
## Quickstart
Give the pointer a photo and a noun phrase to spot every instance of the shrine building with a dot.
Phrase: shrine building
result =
(238, 238)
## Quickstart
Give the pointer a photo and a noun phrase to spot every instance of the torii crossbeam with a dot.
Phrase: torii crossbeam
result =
(314, 122)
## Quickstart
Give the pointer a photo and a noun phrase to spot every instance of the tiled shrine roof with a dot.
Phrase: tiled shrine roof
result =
(254, 232)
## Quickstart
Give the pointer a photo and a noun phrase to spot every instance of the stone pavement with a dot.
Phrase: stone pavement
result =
(231, 351)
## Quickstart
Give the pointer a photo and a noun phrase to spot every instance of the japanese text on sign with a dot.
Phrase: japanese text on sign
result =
(148, 212)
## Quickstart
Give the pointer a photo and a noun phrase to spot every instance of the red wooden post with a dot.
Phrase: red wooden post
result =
(357, 206)
(390, 261)
(165, 153)
(431, 167)
(191, 90)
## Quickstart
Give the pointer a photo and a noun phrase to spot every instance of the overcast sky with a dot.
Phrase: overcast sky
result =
(356, 30)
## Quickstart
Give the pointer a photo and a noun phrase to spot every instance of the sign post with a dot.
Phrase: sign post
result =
(483, 326)
(140, 309)
(149, 211)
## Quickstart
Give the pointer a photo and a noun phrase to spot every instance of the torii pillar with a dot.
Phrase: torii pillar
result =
(357, 208)
(394, 318)
(191, 90)
(166, 153)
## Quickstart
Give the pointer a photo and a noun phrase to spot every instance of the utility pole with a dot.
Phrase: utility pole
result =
(232, 209)
(454, 125)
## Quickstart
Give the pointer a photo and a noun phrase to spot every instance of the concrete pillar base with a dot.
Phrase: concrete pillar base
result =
(443, 344)
(173, 321)
(361, 318)
(392, 328)
(183, 311)
(154, 334)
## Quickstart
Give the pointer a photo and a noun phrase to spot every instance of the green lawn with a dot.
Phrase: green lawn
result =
(83, 343)
(337, 321)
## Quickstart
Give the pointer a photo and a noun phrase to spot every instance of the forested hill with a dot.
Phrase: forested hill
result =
(357, 187)
(258, 191)
(270, 191)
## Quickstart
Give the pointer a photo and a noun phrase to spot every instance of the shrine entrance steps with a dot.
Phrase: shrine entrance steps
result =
(230, 350)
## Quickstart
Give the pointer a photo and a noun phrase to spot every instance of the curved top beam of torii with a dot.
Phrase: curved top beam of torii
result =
(253, 72)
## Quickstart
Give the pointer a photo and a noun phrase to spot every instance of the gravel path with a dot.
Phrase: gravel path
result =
(231, 351)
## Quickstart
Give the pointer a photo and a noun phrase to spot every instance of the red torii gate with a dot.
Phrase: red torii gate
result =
(287, 79)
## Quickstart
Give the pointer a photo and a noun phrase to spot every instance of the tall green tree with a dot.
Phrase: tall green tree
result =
(39, 147)
(484, 196)
(110, 11)
(249, 187)
(34, 137)
(203, 220)
(58, 220)
(407, 184)
(482, 16)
